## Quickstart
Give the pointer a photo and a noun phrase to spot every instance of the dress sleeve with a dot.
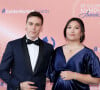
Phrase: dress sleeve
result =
(94, 65)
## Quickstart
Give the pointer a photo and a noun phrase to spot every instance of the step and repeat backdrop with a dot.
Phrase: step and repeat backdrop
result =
(56, 13)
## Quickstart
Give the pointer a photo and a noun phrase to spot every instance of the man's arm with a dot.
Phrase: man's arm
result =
(5, 67)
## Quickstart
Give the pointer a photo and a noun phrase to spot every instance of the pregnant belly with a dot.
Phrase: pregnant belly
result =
(62, 85)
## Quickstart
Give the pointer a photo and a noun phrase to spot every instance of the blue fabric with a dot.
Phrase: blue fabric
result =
(84, 62)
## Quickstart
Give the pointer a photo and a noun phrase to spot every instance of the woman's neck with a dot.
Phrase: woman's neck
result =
(74, 44)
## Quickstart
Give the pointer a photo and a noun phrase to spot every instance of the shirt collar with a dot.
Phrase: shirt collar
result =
(32, 40)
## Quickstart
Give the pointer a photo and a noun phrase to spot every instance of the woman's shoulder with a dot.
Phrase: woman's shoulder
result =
(58, 48)
(89, 52)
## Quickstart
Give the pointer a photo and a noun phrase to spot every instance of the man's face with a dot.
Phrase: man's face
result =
(33, 27)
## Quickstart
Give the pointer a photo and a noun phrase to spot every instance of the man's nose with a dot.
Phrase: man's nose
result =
(33, 27)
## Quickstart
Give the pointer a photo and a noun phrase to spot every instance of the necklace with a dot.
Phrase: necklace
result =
(69, 49)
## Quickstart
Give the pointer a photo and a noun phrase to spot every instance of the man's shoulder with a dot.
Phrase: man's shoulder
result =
(15, 41)
(47, 44)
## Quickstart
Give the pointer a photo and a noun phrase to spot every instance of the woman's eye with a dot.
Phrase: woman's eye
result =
(77, 27)
(69, 27)
(30, 23)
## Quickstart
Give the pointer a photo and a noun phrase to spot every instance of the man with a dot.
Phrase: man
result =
(25, 61)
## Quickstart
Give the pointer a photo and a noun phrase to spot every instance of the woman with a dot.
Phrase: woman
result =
(74, 66)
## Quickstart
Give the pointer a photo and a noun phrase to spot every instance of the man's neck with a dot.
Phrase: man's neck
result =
(33, 39)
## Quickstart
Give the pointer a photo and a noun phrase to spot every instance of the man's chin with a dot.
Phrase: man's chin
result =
(33, 37)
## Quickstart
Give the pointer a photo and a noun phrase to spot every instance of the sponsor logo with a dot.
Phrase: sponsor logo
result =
(96, 49)
(20, 11)
(46, 39)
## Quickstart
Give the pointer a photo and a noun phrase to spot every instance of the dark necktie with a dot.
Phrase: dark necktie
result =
(28, 41)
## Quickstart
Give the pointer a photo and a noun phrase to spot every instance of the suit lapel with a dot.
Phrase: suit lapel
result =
(26, 55)
(40, 56)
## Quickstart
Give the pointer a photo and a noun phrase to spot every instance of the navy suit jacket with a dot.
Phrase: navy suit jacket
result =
(16, 67)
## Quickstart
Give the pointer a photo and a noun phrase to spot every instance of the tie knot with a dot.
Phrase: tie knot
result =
(28, 41)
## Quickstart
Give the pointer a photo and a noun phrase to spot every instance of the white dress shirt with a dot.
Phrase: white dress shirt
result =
(33, 51)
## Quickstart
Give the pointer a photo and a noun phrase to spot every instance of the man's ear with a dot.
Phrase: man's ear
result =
(41, 29)
(25, 28)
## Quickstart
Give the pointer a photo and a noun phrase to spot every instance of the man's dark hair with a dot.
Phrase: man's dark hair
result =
(35, 13)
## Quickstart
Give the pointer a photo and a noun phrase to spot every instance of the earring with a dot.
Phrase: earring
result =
(80, 38)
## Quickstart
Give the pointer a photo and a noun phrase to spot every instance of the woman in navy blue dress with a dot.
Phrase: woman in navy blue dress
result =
(73, 65)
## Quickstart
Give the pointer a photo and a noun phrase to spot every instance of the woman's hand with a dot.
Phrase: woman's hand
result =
(68, 75)
(84, 78)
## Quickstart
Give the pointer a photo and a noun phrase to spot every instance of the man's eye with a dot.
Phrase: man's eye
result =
(37, 24)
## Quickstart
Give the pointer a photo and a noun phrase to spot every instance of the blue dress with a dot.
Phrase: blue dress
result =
(84, 62)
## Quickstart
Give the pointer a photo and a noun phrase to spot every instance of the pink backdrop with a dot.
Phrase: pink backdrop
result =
(56, 13)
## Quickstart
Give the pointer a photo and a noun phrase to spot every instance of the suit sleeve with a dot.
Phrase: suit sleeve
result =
(6, 67)
(51, 72)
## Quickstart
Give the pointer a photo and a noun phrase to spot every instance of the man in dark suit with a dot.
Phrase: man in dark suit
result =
(25, 60)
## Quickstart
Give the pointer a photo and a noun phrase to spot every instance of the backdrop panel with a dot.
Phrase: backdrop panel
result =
(56, 13)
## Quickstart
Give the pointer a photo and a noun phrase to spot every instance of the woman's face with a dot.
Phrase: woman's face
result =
(73, 31)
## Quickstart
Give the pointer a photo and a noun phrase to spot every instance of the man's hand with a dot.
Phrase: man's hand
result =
(27, 85)
(47, 80)
(48, 84)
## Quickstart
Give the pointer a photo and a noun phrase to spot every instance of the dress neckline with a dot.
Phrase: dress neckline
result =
(72, 55)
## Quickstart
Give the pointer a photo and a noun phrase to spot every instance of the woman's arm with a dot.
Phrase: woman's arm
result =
(84, 78)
